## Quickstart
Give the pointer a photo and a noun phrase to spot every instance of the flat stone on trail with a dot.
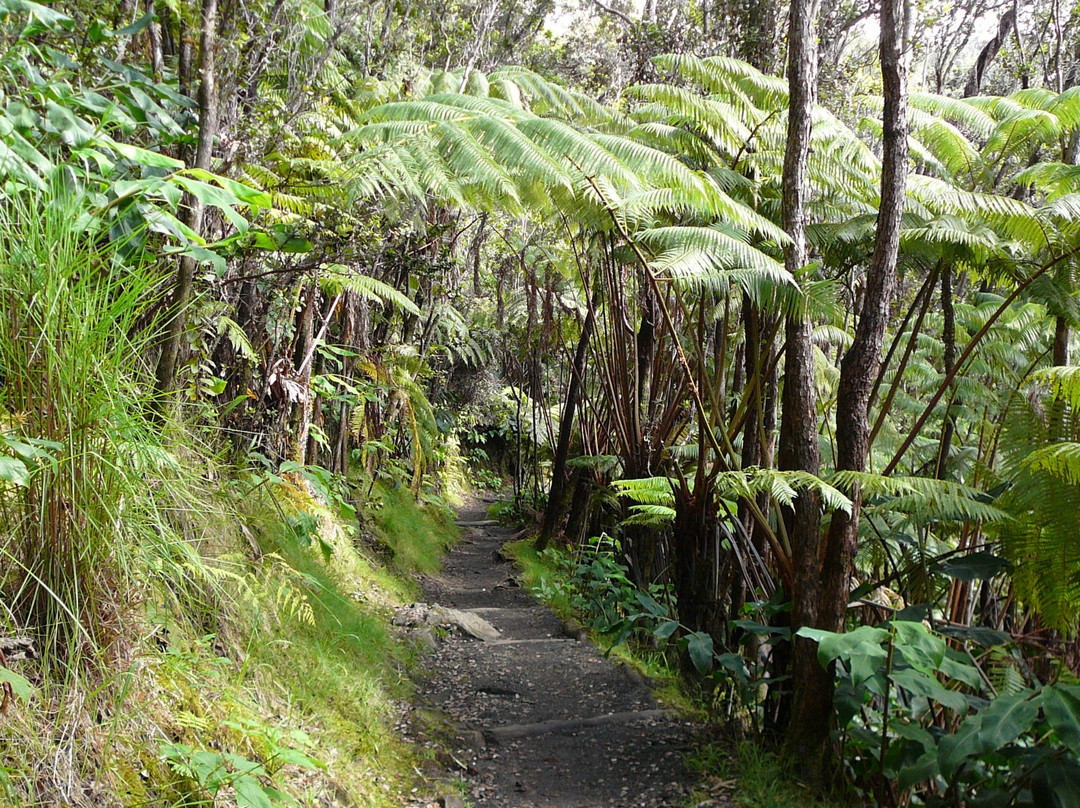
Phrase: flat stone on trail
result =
(421, 614)
(472, 624)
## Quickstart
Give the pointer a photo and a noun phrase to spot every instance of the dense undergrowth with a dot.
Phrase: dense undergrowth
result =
(206, 630)
(589, 585)
(282, 688)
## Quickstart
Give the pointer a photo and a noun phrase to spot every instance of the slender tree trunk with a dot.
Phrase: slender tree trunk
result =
(1060, 359)
(948, 337)
(1061, 341)
(193, 213)
(557, 495)
(305, 328)
(799, 448)
(157, 59)
(862, 361)
(989, 53)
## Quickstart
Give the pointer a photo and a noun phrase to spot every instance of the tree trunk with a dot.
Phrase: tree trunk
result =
(862, 361)
(799, 448)
(948, 337)
(1061, 341)
(157, 58)
(989, 53)
(557, 495)
(193, 212)
(305, 329)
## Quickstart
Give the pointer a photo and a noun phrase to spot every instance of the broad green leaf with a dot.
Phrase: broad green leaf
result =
(73, 130)
(244, 193)
(11, 164)
(22, 147)
(996, 726)
(665, 629)
(250, 793)
(13, 470)
(1061, 703)
(161, 221)
(215, 197)
(143, 156)
(298, 759)
(920, 683)
(862, 649)
(920, 649)
(733, 664)
(1056, 783)
(135, 27)
(43, 14)
(20, 687)
(700, 647)
(981, 565)
(203, 255)
(1006, 719)
(242, 764)
(920, 771)
(295, 244)
(650, 604)
(958, 666)
(977, 634)
(761, 629)
(22, 117)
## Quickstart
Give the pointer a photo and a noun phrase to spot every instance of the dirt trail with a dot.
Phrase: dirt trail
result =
(540, 719)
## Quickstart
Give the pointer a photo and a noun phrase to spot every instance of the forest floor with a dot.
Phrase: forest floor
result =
(536, 717)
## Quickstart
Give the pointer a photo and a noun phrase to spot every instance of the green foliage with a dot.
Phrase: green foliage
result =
(252, 782)
(75, 413)
(1015, 748)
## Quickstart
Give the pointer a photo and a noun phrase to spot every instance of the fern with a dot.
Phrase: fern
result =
(921, 500)
(337, 277)
(647, 490)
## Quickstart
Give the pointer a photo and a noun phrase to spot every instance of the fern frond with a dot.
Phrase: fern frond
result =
(337, 277)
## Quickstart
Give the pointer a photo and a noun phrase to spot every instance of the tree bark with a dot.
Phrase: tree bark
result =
(1061, 341)
(863, 359)
(799, 448)
(157, 58)
(948, 337)
(989, 53)
(193, 212)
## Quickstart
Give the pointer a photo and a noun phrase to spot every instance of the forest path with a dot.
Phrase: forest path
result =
(538, 718)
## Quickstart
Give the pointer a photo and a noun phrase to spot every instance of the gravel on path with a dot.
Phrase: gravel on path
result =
(537, 718)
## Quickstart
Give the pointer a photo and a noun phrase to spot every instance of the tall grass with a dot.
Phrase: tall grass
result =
(76, 327)
(417, 535)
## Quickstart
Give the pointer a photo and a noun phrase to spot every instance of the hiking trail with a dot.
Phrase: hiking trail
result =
(535, 717)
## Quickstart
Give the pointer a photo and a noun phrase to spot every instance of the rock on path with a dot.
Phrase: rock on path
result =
(537, 718)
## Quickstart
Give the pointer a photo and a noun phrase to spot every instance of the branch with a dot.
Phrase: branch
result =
(614, 11)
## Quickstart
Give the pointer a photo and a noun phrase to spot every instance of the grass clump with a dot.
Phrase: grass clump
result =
(541, 575)
(416, 534)
(745, 774)
(80, 527)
